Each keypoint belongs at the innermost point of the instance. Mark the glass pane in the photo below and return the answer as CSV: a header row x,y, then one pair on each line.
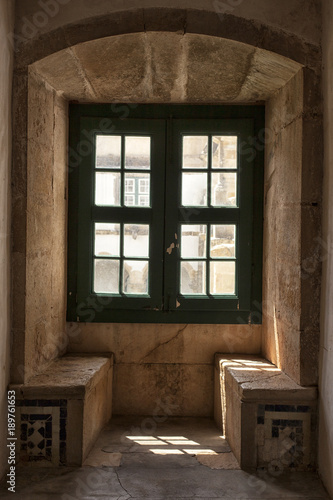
x,y
136,240
193,277
195,151
222,240
222,277
224,148
106,276
224,190
135,278
107,239
108,151
107,189
193,242
137,152
137,190
194,189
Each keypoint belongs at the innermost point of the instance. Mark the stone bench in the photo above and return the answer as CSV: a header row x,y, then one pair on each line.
x,y
60,412
268,420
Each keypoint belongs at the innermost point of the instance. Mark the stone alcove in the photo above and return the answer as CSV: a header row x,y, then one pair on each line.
x,y
160,65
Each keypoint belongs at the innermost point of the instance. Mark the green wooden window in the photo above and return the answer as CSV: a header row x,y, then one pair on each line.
x,y
165,213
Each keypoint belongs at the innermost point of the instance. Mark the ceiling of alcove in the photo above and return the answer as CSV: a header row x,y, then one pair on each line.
x,y
166,67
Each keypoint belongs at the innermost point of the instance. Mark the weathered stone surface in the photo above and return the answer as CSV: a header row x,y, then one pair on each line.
x,y
268,71
164,343
84,384
225,66
65,65
292,16
168,66
163,389
187,347
70,377
286,105
312,160
254,378
116,67
257,398
165,67
292,227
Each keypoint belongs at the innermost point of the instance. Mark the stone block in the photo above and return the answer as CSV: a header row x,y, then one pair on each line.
x,y
266,76
285,105
61,411
119,73
40,112
312,161
168,70
131,21
63,69
203,56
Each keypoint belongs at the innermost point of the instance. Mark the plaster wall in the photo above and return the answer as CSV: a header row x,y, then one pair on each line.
x,y
6,62
295,16
326,344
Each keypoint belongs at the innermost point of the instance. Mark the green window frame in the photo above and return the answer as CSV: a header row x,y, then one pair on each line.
x,y
154,202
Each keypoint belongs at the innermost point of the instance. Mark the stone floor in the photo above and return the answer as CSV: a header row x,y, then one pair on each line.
x,y
157,458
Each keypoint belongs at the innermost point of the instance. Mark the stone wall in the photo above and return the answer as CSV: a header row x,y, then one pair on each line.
x,y
39,319
170,365
293,180
294,16
326,344
6,59
157,355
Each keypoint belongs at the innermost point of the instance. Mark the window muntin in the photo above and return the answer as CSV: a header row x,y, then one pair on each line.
x,y
218,154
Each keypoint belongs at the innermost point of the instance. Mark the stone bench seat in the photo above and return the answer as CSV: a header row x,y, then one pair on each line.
x,y
267,418
60,411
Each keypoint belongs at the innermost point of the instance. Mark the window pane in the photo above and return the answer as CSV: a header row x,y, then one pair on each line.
x,y
193,242
224,149
137,152
195,151
222,240
222,278
137,190
107,189
135,277
193,277
108,151
224,190
107,239
106,276
194,189
136,240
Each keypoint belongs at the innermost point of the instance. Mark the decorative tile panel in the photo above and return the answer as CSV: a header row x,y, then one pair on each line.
x,y
284,436
41,430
